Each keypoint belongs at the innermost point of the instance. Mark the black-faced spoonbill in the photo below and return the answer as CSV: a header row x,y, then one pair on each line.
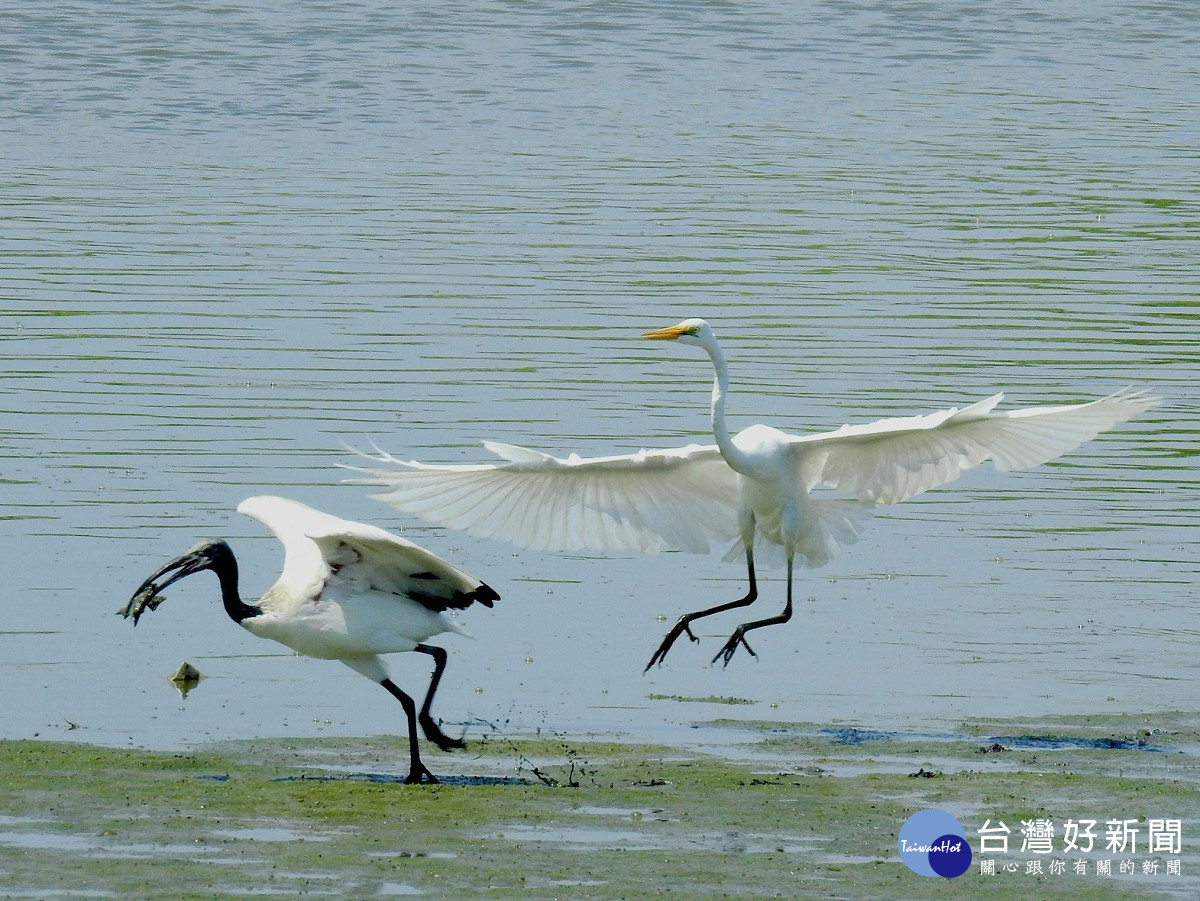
x,y
348,592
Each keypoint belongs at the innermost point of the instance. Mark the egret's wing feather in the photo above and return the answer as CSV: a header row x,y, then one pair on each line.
x,y
894,459
828,526
684,498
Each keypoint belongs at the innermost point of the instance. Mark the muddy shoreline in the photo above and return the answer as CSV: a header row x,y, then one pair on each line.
x,y
779,811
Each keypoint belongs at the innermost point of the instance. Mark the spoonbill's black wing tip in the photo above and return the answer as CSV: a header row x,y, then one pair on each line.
x,y
485,594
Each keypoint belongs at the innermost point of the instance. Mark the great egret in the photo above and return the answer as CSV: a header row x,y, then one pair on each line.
x,y
348,592
756,486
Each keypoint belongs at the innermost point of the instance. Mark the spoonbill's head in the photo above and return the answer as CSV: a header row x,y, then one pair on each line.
x,y
212,554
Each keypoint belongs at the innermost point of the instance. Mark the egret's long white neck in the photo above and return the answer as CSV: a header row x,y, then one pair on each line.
x,y
733,456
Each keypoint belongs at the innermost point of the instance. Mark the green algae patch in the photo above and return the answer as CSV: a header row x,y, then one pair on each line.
x,y
794,811
708,699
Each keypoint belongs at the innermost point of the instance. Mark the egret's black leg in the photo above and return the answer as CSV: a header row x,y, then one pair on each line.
x,y
684,623
417,771
739,634
432,731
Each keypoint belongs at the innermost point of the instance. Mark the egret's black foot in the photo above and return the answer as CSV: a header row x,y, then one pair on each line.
x,y
434,733
681,627
737,638
420,774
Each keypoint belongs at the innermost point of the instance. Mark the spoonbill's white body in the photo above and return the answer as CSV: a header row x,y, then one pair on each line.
x,y
348,592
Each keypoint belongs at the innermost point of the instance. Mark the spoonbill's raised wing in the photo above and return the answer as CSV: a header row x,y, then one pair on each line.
x,y
348,592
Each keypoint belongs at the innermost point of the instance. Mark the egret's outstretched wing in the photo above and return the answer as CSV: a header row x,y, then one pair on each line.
x,y
684,498
894,459
320,548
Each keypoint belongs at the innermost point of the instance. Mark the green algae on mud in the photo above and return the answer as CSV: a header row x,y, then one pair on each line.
x,y
709,699
791,811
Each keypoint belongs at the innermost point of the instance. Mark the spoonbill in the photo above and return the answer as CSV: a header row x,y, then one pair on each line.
x,y
348,592
755,487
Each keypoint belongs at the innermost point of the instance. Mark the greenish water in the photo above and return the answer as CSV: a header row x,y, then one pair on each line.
x,y
233,238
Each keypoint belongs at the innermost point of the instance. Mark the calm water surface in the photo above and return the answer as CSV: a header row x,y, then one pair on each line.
x,y
234,237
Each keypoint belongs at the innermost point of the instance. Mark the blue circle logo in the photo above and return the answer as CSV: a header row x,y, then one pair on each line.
x,y
933,843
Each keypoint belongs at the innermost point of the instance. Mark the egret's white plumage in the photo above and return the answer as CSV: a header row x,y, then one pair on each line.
x,y
651,501
756,486
348,592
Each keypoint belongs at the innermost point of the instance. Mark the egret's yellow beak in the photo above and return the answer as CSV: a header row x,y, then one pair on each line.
x,y
670,333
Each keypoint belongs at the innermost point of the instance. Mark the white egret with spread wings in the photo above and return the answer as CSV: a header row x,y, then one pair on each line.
x,y
756,487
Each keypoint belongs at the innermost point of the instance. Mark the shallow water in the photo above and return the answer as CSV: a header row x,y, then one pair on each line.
x,y
232,239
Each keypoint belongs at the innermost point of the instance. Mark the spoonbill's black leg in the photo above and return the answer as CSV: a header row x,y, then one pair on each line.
x,y
739,634
684,623
417,771
432,731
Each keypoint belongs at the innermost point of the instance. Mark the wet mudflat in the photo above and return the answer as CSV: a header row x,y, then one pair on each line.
x,y
780,810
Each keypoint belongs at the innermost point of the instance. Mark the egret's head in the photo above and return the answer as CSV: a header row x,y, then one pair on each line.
x,y
690,331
